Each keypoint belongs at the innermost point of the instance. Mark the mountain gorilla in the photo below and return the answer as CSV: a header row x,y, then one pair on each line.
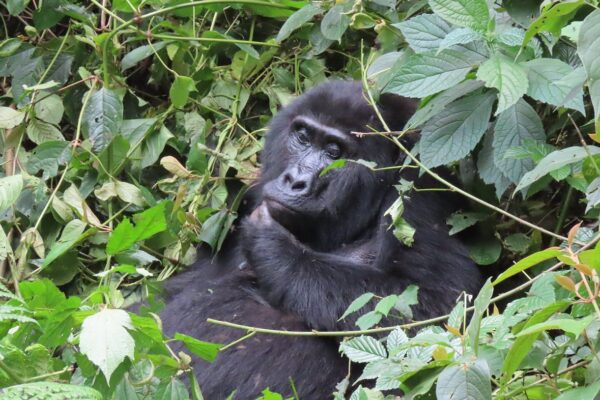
x,y
307,245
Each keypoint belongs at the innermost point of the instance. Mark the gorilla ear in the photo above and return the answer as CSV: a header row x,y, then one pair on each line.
x,y
396,110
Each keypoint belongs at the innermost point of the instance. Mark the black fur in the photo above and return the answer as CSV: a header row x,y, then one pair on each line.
x,y
340,248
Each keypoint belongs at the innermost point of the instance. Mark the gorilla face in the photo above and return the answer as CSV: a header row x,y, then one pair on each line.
x,y
304,138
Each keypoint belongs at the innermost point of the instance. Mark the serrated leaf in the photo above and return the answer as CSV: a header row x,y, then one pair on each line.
x,y
205,350
50,391
363,349
368,320
357,304
102,118
528,262
469,13
589,40
488,170
543,75
9,118
553,18
508,77
105,339
454,132
385,305
335,23
555,160
424,32
515,126
428,73
10,189
40,132
296,20
139,53
148,223
467,381
459,36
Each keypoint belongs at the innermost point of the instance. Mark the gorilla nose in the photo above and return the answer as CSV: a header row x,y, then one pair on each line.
x,y
297,184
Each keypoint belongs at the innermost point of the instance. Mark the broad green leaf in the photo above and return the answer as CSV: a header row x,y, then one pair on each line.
x,y
409,297
427,73
485,251
369,320
49,391
543,74
105,339
508,77
528,262
10,189
154,145
440,101
127,192
514,127
459,221
102,118
424,32
173,390
335,23
363,349
589,40
488,171
469,13
50,109
16,7
205,350
459,36
385,305
139,53
581,393
9,118
455,131
522,344
482,301
296,20
71,235
466,381
147,224
554,17
514,37
180,90
573,326
40,132
555,160
357,304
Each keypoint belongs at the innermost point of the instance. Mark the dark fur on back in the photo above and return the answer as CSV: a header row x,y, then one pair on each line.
x,y
306,282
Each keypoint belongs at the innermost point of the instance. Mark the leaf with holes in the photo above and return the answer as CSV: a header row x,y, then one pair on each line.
x,y
102,118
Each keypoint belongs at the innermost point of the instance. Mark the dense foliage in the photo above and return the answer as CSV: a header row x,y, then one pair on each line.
x,y
128,130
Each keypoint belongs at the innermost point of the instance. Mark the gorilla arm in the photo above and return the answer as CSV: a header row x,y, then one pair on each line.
x,y
316,286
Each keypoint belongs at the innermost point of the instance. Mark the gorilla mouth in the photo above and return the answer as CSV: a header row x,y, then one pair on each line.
x,y
276,207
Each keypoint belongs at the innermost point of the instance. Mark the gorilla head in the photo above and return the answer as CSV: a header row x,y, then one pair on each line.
x,y
308,135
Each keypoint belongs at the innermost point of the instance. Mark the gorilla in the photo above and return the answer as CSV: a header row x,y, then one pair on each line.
x,y
307,244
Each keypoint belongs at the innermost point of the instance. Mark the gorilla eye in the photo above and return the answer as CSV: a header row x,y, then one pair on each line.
x,y
302,135
332,150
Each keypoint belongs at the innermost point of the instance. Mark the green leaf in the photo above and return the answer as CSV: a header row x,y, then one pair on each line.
x,y
363,349
174,390
105,339
485,251
408,297
180,90
296,20
428,73
581,393
9,118
467,381
482,301
5,250
357,304
102,118
49,391
50,109
385,305
573,326
16,7
455,131
555,160
333,165
127,192
437,104
205,350
10,189
459,36
528,262
554,17
589,40
508,77
459,221
148,223
424,32
139,53
71,235
368,320
40,132
544,74
469,13
514,127
335,23
522,344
